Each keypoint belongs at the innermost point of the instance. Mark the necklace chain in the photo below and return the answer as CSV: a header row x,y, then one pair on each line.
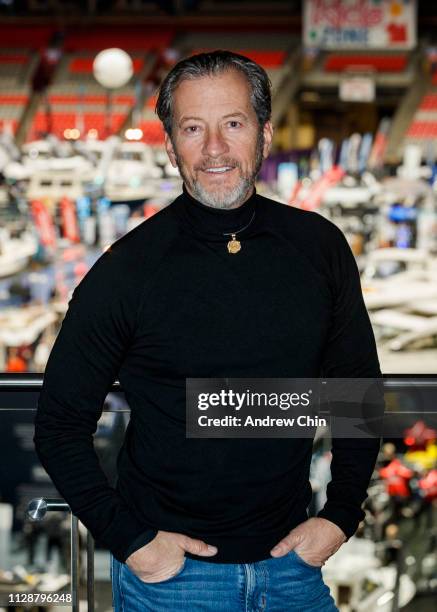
x,y
242,229
234,245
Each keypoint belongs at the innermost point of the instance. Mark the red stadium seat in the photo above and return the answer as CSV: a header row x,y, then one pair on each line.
x,y
153,132
97,99
267,59
63,121
429,102
81,65
422,129
13,59
13,99
104,37
380,63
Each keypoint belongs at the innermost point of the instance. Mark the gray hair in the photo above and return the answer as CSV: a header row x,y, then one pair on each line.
x,y
210,64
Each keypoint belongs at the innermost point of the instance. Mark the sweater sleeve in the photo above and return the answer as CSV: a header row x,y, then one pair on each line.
x,y
350,352
83,364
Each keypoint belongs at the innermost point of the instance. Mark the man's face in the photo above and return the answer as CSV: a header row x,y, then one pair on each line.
x,y
217,143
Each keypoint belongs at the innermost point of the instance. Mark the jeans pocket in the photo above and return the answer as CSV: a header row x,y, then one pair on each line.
x,y
175,575
178,573
299,558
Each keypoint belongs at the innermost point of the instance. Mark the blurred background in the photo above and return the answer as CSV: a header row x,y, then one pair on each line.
x,y
82,162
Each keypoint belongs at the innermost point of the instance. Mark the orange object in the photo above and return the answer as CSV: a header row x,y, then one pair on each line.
x,y
70,227
16,364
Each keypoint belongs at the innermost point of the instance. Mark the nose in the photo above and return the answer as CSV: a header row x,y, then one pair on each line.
x,y
214,144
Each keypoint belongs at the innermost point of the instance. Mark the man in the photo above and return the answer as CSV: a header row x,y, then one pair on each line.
x,y
221,283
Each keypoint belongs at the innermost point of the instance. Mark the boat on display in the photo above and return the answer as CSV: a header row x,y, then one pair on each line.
x,y
23,326
392,276
46,155
16,252
410,359
124,172
400,293
54,185
132,175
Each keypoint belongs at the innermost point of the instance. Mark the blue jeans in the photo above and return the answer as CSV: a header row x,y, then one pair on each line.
x,y
279,584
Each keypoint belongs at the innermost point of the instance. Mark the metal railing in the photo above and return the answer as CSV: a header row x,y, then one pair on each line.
x,y
36,511
39,507
32,381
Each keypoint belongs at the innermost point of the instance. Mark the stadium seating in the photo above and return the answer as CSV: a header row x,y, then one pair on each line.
x,y
378,62
424,124
61,121
74,98
77,101
15,69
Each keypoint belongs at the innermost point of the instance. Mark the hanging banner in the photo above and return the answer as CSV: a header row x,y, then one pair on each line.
x,y
70,226
44,223
360,24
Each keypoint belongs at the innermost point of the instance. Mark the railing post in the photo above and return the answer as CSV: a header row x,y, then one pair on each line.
x,y
90,571
74,550
36,511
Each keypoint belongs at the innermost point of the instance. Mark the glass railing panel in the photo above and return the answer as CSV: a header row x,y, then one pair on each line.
x,y
35,556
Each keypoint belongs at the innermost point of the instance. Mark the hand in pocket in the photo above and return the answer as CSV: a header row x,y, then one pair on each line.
x,y
164,556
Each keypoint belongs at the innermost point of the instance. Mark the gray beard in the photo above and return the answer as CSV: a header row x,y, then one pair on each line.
x,y
229,199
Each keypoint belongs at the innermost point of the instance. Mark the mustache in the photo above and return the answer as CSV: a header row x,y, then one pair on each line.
x,y
231,163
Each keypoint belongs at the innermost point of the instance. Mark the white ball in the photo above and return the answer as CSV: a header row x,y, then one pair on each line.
x,y
113,68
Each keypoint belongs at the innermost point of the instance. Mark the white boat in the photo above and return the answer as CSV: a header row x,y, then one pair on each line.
x,y
407,352
417,339
390,294
24,324
49,155
125,172
383,263
400,292
391,276
132,175
348,197
56,185
15,253
426,307
399,321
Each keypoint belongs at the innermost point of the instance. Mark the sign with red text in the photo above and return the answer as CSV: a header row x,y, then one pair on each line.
x,y
360,24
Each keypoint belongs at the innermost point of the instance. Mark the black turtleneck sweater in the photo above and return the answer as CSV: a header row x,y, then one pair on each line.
x,y
167,302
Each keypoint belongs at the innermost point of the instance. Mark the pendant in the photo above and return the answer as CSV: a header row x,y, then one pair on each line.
x,y
234,245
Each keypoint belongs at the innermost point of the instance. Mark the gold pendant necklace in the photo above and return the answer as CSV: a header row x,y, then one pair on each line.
x,y
234,245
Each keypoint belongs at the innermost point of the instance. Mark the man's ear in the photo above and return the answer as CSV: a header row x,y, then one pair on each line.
x,y
268,137
170,150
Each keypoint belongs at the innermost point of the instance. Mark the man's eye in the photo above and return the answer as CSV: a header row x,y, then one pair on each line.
x,y
234,124
192,129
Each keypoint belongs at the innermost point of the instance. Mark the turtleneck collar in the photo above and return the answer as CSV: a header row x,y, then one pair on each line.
x,y
216,224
